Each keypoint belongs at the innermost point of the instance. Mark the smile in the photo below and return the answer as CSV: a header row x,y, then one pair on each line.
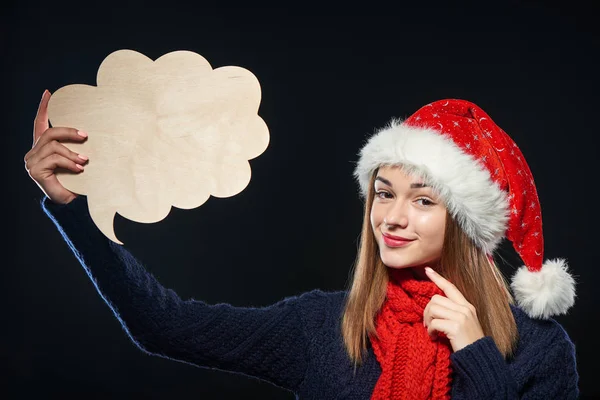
x,y
396,242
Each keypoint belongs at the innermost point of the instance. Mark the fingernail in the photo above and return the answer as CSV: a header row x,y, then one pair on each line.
x,y
79,166
85,158
428,269
81,133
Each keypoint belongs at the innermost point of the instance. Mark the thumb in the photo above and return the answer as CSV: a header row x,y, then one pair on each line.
x,y
40,124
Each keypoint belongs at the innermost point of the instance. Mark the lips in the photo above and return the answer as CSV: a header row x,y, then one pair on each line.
x,y
400,238
395,241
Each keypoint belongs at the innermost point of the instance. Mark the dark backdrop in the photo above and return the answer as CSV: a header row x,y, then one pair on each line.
x,y
328,80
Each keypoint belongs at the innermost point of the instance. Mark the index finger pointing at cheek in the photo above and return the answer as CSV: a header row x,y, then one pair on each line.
x,y
448,288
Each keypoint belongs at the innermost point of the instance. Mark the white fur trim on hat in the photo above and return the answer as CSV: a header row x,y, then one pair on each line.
x,y
546,293
473,199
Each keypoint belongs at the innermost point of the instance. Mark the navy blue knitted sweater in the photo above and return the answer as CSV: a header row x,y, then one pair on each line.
x,y
296,343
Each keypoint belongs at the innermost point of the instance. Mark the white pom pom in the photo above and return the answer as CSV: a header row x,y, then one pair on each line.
x,y
546,293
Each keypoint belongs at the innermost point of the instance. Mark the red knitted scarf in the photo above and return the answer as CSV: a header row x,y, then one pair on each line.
x,y
413,366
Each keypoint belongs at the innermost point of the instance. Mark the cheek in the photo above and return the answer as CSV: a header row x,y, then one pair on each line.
x,y
432,226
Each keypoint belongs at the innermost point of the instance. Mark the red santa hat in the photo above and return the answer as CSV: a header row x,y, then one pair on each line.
x,y
487,187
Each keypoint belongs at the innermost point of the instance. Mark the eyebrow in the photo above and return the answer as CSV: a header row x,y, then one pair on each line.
x,y
412,185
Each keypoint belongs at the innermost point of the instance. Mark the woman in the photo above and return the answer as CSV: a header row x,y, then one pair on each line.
x,y
428,314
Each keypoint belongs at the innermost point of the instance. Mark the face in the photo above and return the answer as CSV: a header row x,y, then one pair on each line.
x,y
408,220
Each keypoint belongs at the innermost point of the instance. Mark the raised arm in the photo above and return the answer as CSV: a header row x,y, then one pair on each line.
x,y
268,343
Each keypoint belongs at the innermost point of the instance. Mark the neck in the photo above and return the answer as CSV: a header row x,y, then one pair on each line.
x,y
417,273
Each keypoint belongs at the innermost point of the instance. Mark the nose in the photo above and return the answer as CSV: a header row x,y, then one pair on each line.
x,y
397,215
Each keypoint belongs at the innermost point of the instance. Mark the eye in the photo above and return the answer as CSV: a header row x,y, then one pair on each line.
x,y
382,194
426,202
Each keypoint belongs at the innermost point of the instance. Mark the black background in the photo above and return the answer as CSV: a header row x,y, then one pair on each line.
x,y
328,80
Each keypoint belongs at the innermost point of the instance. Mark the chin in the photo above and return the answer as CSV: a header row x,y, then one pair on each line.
x,y
397,266
394,262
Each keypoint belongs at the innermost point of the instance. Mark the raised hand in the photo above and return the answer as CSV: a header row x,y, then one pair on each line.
x,y
453,315
47,153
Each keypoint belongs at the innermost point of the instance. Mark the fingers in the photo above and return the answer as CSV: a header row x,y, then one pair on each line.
x,y
444,302
440,325
447,287
44,169
54,147
56,134
57,161
437,311
40,123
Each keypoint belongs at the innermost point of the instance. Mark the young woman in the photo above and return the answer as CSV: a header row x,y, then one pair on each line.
x,y
428,314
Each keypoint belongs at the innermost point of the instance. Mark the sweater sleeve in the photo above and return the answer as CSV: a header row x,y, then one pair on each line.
x,y
482,373
268,343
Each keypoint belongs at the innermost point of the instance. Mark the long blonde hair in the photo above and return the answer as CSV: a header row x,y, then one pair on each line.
x,y
462,263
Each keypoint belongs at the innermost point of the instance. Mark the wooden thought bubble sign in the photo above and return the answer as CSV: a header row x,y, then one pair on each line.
x,y
170,132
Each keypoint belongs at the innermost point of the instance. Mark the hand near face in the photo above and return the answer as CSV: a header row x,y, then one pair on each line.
x,y
453,315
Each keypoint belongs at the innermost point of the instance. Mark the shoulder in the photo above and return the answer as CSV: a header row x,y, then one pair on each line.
x,y
545,354
318,307
541,335
318,301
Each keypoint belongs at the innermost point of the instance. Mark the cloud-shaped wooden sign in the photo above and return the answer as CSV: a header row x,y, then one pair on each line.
x,y
170,132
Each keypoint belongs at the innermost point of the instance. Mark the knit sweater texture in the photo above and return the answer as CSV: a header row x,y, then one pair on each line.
x,y
296,343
